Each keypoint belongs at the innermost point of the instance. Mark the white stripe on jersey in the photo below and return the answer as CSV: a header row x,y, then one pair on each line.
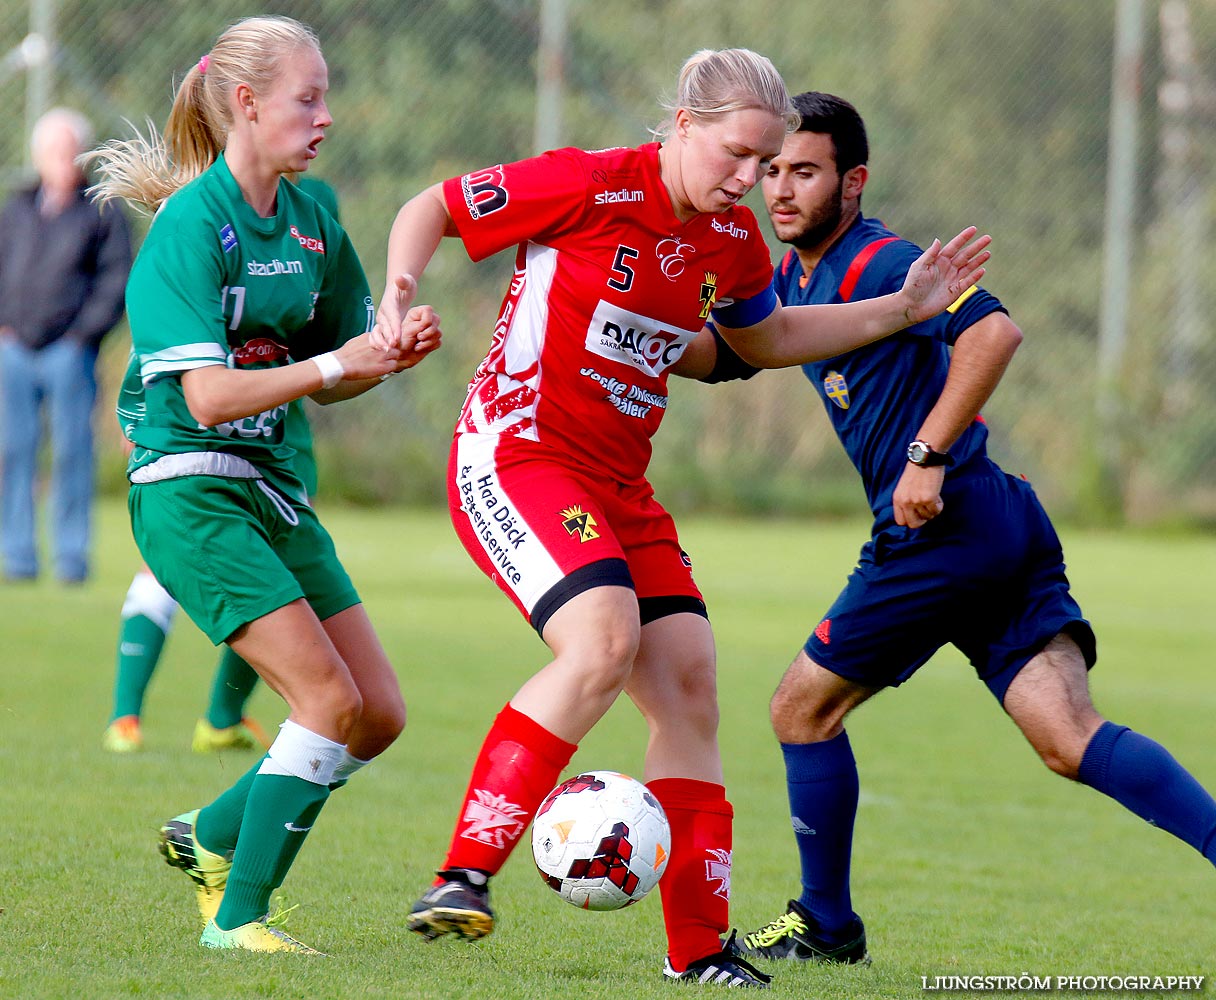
x,y
180,358
526,336
519,338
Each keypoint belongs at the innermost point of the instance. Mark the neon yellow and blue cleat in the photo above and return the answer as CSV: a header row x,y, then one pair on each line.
x,y
208,871
258,935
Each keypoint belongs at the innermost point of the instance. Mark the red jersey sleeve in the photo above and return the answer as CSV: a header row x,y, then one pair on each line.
x,y
749,298
508,204
755,272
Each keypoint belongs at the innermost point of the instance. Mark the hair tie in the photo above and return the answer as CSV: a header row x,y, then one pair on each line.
x,y
203,64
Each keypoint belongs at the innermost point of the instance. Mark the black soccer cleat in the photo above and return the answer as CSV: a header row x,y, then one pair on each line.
x,y
792,936
459,905
724,968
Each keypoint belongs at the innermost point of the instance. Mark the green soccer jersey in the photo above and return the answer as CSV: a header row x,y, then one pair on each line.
x,y
215,284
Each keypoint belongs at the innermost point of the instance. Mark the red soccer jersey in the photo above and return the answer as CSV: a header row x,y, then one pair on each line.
x,y
609,288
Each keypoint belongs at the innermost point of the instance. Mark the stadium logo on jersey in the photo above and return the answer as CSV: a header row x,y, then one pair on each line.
x,y
308,242
227,238
836,389
717,869
709,293
259,351
492,819
647,344
612,197
671,253
729,228
271,268
580,524
484,191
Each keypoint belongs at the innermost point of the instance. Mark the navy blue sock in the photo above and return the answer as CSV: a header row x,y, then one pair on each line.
x,y
1142,776
822,782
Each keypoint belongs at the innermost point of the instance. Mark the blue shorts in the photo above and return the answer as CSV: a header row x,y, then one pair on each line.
x,y
987,575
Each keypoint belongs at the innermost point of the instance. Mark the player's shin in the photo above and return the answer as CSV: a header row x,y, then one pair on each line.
x,y
285,797
518,765
695,889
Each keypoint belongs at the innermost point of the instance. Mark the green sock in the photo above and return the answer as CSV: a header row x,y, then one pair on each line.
x,y
280,812
219,825
140,641
234,681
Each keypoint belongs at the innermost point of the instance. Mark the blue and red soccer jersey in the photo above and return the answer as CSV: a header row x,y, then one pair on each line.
x,y
987,574
878,396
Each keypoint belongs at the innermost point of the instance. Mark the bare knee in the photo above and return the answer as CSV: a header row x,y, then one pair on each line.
x,y
696,693
1049,701
1061,760
811,703
796,722
344,708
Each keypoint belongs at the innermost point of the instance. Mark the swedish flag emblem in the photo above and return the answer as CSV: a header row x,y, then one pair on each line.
x,y
836,389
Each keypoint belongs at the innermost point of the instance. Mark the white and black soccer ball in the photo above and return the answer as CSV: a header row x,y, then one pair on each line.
x,y
601,840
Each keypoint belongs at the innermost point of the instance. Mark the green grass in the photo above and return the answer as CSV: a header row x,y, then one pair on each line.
x,y
970,857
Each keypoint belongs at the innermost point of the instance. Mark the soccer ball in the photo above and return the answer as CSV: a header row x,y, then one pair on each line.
x,y
601,840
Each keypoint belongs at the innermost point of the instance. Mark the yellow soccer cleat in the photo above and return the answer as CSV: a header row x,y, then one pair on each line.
x,y
257,935
123,735
245,735
207,870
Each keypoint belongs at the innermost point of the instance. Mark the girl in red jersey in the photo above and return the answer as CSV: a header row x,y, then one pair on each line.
x,y
622,257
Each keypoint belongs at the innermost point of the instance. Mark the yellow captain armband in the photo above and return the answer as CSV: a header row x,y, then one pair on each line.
x,y
954,306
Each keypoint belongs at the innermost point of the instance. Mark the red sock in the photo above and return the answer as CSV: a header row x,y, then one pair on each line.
x,y
519,764
696,886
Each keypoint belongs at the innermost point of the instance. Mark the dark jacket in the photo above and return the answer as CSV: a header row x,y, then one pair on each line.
x,y
62,276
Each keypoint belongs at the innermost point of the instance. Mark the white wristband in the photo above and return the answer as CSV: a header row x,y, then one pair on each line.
x,y
331,369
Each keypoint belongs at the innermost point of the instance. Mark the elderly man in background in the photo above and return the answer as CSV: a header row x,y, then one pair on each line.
x,y
63,271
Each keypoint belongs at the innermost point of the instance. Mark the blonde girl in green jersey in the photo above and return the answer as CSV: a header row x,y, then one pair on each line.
x,y
245,296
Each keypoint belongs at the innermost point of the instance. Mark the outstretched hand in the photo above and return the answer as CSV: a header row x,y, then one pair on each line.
x,y
942,273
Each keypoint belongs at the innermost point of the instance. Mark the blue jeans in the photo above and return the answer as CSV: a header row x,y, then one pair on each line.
x,y
62,375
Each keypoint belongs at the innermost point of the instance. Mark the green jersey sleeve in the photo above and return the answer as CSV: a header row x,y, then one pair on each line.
x,y
176,322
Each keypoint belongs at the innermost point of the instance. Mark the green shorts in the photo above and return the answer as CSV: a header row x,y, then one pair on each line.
x,y
229,554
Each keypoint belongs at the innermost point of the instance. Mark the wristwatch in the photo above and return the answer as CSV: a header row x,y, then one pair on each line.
x,y
921,453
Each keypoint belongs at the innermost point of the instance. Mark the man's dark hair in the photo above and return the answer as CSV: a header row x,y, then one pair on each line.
x,y
834,116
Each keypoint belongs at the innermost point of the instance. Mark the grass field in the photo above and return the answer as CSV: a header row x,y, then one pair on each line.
x,y
970,857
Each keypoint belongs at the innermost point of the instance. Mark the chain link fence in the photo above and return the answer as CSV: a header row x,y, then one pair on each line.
x,y
995,114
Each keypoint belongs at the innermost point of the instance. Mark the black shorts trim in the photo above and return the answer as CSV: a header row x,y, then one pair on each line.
x,y
602,573
654,608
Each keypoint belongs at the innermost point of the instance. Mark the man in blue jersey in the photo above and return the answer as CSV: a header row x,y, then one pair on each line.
x,y
960,552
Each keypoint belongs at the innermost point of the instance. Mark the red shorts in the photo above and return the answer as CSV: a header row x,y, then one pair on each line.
x,y
546,529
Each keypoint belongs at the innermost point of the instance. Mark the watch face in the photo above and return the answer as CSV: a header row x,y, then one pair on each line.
x,y
917,453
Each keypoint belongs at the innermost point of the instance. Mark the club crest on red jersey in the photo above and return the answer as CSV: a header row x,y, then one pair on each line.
x,y
672,254
709,293
836,389
580,524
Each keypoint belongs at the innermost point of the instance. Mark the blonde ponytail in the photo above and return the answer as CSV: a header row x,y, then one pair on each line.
x,y
145,170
